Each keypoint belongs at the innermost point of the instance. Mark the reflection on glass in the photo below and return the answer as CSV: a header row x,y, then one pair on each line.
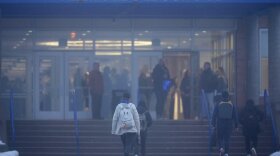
x,y
13,75
48,85
78,84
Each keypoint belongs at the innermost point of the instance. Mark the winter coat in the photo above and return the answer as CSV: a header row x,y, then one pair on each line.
x,y
159,74
250,118
116,123
208,81
96,82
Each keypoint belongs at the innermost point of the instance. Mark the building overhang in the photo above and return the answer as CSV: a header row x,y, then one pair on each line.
x,y
133,8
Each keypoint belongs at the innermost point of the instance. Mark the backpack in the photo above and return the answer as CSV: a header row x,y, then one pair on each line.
x,y
143,121
126,117
225,110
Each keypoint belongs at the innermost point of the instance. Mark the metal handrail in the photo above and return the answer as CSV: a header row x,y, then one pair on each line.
x,y
269,114
12,118
77,132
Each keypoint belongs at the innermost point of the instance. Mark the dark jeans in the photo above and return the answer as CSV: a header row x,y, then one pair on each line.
x,y
161,98
128,141
224,133
186,106
96,105
250,142
143,136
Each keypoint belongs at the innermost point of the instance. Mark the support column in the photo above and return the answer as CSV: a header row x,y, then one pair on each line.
x,y
274,57
241,63
253,57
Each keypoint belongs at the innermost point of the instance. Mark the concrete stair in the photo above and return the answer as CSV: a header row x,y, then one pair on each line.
x,y
165,138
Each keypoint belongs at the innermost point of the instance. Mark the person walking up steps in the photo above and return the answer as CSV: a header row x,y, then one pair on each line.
x,y
250,119
145,123
224,117
126,124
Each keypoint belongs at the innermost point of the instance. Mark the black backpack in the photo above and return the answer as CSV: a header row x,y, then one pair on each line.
x,y
225,110
143,121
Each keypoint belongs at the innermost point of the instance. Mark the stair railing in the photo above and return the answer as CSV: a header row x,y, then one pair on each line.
x,y
270,116
12,118
206,113
75,111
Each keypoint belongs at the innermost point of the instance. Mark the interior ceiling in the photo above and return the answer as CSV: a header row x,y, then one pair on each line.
x,y
128,10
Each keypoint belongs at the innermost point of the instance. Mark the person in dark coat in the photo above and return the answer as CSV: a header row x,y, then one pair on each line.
x,y
208,82
250,119
223,119
96,90
160,74
145,122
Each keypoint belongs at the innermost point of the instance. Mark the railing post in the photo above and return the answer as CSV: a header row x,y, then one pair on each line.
x,y
77,134
13,130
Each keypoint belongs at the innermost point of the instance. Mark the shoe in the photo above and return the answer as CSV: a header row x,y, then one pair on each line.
x,y
254,152
222,151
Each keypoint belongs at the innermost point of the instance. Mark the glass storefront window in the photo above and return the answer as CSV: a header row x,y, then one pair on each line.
x,y
14,74
68,54
14,79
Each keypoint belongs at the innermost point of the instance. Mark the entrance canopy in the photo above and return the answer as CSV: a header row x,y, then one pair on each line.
x,y
133,8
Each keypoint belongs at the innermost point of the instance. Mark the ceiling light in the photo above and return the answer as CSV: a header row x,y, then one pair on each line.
x,y
146,31
88,31
196,34
184,42
30,31
204,31
24,39
84,34
190,39
169,47
27,34
140,34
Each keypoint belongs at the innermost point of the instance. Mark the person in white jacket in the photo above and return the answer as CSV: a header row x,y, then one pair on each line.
x,y
126,124
9,153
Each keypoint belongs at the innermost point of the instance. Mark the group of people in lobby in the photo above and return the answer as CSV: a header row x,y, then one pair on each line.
x,y
223,112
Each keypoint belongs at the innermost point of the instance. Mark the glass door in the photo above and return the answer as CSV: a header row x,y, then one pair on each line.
x,y
77,68
48,86
16,76
142,85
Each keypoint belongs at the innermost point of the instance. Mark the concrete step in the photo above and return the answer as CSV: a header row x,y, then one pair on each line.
x,y
172,138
